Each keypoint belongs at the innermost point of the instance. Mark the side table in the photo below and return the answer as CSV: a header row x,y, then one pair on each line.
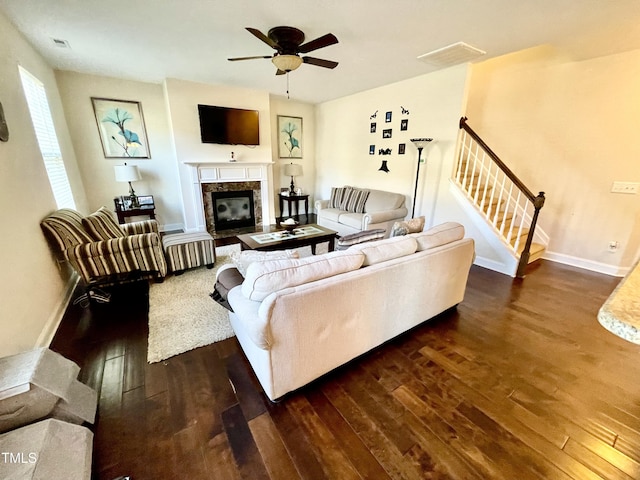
x,y
296,199
124,212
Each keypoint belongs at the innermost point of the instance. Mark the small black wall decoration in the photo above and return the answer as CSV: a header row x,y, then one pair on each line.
x,y
404,124
372,128
385,151
404,110
374,115
372,149
386,133
387,117
401,148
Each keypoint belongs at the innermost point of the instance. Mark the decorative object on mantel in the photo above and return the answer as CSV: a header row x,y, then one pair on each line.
x,y
292,170
233,158
128,173
420,144
4,129
383,167
289,137
121,128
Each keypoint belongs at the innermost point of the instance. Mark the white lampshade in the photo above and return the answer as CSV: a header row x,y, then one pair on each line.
x,y
421,142
127,173
292,170
286,63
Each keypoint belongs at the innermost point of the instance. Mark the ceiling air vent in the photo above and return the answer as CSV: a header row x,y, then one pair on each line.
x,y
450,55
60,43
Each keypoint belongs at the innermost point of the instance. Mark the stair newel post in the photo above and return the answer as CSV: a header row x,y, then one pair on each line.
x,y
538,203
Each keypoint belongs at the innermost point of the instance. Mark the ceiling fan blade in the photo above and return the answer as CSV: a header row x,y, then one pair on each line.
x,y
320,42
262,37
248,58
320,62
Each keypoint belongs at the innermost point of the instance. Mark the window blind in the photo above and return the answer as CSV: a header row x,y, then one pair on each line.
x,y
47,140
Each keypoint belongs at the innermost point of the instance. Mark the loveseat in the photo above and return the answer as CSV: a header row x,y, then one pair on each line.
x,y
299,318
351,210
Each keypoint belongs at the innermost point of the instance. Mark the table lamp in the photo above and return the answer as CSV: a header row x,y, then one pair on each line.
x,y
128,173
292,170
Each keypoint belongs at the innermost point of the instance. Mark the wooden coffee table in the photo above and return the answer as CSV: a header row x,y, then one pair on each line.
x,y
279,239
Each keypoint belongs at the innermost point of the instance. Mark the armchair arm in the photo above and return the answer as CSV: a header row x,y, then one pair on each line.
x,y
143,226
384,216
320,204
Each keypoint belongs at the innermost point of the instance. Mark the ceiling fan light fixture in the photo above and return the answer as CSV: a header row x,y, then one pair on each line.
x,y
287,63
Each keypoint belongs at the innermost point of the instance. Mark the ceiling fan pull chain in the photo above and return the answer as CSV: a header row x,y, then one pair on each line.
x,y
288,86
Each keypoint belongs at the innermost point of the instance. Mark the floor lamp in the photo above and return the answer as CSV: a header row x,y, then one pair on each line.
x,y
420,143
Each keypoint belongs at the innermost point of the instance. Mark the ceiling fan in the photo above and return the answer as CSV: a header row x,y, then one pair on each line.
x,y
287,42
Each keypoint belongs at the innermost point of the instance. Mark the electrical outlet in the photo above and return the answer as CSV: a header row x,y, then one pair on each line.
x,y
625,187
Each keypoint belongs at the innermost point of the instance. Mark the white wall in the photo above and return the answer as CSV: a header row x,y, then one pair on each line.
x,y
159,173
182,99
569,128
33,289
306,111
435,102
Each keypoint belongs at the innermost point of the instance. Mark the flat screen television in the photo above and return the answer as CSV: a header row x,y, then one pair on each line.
x,y
228,126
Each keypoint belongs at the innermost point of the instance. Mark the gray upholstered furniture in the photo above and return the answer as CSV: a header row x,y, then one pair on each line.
x,y
100,250
351,210
297,319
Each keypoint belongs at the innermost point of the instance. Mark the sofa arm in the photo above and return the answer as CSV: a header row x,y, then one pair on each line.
x,y
144,226
384,216
320,204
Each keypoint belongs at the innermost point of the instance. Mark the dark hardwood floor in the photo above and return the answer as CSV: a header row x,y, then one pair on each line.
x,y
519,382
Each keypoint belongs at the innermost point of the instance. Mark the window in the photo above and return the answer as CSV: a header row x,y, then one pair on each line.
x,y
47,140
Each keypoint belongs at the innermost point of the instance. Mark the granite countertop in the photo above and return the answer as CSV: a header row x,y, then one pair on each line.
x,y
620,314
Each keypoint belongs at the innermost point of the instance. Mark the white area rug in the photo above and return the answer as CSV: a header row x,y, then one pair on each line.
x,y
182,315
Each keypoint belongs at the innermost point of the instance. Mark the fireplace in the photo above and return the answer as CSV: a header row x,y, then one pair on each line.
x,y
233,209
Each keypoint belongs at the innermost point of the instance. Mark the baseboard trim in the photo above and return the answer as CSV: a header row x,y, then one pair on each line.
x,y
51,327
493,265
598,267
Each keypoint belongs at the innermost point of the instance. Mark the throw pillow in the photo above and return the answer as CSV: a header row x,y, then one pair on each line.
x,y
243,259
347,241
346,193
414,225
355,200
335,200
101,225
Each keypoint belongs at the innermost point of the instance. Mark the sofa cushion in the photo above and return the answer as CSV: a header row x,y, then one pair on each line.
x,y
332,214
387,249
101,225
243,259
353,220
264,278
379,201
439,235
360,237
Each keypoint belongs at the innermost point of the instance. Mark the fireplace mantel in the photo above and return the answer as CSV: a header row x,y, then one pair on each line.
x,y
221,172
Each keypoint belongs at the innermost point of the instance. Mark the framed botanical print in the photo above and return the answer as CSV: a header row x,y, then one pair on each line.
x,y
121,128
289,137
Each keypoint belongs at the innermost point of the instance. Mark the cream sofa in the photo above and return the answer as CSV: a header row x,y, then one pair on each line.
x,y
381,210
297,319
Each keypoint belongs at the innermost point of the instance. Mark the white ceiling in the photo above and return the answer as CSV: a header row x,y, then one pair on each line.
x,y
150,40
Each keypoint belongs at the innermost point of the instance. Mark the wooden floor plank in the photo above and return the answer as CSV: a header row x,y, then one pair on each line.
x,y
520,381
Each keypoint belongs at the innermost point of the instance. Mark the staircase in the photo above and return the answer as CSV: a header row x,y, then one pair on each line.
x,y
507,206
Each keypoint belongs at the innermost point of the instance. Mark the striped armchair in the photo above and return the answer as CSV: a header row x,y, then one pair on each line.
x,y
100,250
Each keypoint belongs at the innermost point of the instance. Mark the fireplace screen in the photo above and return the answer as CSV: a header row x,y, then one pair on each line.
x,y
233,209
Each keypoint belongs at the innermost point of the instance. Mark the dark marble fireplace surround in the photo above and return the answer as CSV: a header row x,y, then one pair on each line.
x,y
208,188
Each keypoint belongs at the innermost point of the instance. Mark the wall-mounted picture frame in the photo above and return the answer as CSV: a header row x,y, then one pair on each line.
x,y
386,133
372,129
289,137
121,128
387,117
404,124
372,149
401,148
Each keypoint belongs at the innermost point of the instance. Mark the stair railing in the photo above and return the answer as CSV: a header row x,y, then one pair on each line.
x,y
505,201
